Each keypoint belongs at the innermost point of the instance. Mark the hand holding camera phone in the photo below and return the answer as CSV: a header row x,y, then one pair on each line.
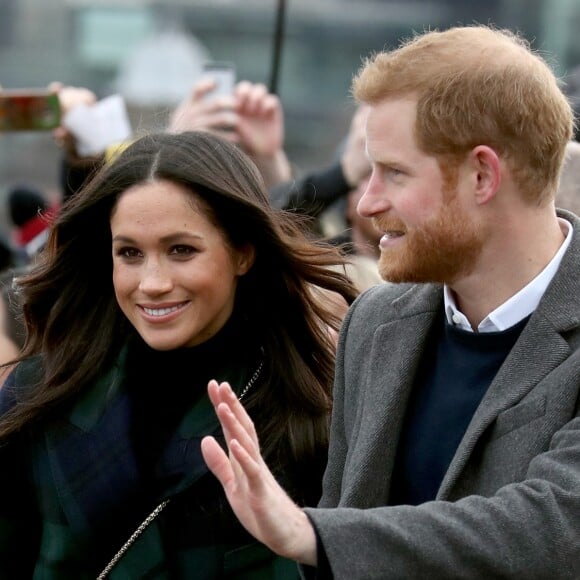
x,y
224,76
29,110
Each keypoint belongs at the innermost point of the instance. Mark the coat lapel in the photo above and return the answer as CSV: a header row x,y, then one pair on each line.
x,y
182,458
386,391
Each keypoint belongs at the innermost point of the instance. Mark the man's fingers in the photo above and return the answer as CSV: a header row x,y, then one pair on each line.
x,y
238,429
224,401
217,461
234,429
249,466
214,392
228,396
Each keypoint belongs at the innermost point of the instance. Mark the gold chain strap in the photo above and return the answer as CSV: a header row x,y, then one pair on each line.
x,y
132,539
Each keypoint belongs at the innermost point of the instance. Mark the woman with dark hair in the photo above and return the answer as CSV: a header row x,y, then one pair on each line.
x,y
168,270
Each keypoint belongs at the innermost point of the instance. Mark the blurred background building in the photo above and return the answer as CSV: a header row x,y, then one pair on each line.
x,y
151,51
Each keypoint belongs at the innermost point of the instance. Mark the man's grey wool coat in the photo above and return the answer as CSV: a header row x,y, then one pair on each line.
x,y
509,504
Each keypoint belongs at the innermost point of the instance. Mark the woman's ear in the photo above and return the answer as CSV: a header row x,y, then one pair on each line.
x,y
487,166
246,256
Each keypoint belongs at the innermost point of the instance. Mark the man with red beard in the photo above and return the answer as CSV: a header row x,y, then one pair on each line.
x,y
455,433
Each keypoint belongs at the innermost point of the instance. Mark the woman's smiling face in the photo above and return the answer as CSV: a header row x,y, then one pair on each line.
x,y
174,273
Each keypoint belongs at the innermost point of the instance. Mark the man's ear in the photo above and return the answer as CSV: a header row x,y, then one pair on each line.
x,y
487,165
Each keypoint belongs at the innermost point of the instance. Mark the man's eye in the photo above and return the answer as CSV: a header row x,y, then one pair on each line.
x,y
393,173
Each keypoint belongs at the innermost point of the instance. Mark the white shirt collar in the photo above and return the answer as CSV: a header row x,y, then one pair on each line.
x,y
520,305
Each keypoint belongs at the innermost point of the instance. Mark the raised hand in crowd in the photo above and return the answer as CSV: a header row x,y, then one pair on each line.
x,y
251,117
198,112
261,130
70,97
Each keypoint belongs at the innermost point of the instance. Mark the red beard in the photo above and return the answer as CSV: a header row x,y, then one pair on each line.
x,y
442,250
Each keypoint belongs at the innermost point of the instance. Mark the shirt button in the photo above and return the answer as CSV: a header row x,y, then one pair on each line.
x,y
456,318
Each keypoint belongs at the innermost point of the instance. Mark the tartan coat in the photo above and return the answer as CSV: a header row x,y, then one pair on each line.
x,y
66,483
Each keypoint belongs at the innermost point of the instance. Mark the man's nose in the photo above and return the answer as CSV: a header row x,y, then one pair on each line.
x,y
375,198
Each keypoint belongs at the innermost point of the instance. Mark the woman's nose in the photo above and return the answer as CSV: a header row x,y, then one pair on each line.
x,y
155,279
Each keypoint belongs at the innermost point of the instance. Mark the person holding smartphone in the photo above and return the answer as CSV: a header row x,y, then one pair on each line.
x,y
248,116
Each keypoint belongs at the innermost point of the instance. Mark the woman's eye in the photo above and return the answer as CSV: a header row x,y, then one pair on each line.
x,y
182,250
127,252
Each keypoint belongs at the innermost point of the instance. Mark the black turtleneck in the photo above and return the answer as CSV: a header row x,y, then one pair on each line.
x,y
164,385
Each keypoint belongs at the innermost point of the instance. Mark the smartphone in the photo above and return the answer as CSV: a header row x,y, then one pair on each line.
x,y
224,75
29,110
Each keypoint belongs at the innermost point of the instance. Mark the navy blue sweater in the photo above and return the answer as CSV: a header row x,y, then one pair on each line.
x,y
457,368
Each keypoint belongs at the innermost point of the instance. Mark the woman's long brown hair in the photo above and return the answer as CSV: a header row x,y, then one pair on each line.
x,y
75,325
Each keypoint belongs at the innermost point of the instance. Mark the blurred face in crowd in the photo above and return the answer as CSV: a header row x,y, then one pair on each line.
x,y
427,234
364,234
174,273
